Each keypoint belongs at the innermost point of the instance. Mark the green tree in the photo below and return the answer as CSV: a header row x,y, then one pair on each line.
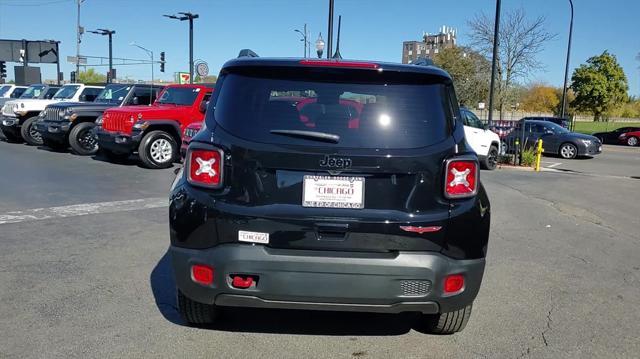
x,y
599,85
90,76
470,72
206,79
540,98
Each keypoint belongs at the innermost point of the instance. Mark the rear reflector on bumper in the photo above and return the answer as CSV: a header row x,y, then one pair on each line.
x,y
453,283
202,274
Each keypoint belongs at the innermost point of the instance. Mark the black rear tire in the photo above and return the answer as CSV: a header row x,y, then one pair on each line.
x,y
447,323
54,145
81,139
491,161
195,312
29,133
158,149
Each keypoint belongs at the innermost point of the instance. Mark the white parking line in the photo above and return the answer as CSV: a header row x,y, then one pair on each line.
x,y
84,209
555,164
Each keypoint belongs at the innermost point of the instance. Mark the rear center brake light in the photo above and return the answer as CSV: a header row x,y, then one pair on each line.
x,y
336,63
204,167
461,178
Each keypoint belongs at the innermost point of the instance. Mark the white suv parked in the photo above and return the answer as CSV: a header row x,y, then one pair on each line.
x,y
19,115
485,143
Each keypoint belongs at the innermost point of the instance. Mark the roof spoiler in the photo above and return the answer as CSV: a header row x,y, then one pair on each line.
x,y
423,61
247,53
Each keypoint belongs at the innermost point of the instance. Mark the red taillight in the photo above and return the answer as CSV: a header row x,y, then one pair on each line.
x,y
202,274
461,178
204,167
453,283
337,63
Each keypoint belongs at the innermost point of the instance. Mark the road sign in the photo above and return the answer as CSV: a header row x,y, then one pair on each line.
x,y
72,60
183,77
202,69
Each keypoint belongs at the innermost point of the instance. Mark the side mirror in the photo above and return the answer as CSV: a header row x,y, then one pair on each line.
x,y
203,106
83,97
135,101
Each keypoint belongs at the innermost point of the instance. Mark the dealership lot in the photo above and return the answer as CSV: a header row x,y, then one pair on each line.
x,y
88,275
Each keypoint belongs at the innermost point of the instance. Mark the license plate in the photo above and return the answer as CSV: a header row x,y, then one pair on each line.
x,y
333,192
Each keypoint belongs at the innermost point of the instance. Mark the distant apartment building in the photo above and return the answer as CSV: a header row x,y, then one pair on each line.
x,y
430,45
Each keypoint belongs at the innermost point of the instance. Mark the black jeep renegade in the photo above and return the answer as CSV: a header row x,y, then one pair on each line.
x,y
330,185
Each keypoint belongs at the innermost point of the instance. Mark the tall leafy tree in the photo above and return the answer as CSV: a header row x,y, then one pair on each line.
x,y
540,98
470,72
91,76
599,85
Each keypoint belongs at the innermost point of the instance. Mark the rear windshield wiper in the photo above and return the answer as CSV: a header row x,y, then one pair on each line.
x,y
309,135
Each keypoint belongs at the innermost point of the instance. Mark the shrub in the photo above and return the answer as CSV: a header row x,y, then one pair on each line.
x,y
528,157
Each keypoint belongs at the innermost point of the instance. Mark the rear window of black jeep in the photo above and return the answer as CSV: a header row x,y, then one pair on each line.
x,y
366,109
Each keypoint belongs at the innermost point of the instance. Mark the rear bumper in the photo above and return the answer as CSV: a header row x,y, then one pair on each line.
x,y
53,130
118,142
328,280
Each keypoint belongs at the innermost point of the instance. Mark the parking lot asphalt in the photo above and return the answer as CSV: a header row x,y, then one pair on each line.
x,y
90,277
622,161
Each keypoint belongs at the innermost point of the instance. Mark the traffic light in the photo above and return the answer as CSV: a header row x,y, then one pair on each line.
x,y
162,61
3,69
73,77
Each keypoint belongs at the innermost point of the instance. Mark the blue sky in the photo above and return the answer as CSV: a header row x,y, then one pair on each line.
x,y
372,29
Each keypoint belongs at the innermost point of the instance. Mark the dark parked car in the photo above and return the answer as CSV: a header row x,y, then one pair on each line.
x,y
563,122
613,137
383,214
71,123
556,140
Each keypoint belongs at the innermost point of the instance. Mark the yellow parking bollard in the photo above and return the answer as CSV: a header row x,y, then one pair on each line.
x,y
539,150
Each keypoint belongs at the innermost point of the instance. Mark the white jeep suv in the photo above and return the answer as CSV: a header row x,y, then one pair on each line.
x,y
485,143
19,115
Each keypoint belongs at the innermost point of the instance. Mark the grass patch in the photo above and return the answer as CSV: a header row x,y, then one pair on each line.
x,y
591,127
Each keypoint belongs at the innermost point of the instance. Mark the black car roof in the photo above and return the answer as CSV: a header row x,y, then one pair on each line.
x,y
296,62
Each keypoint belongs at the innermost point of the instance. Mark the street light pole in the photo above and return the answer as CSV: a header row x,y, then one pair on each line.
x,y
494,61
187,16
110,34
566,68
78,41
304,38
150,53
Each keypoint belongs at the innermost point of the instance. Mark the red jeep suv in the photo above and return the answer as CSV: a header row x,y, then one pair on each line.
x,y
153,131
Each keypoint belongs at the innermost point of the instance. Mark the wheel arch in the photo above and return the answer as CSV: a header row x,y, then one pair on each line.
x,y
170,127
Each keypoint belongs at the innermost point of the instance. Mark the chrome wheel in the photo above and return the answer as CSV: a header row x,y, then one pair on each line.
x,y
568,151
632,141
161,150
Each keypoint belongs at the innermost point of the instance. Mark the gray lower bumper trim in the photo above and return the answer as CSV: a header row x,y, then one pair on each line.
x,y
232,300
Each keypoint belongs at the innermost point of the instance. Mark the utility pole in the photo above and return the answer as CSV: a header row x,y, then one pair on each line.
x,y
187,16
330,32
566,68
494,61
79,33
